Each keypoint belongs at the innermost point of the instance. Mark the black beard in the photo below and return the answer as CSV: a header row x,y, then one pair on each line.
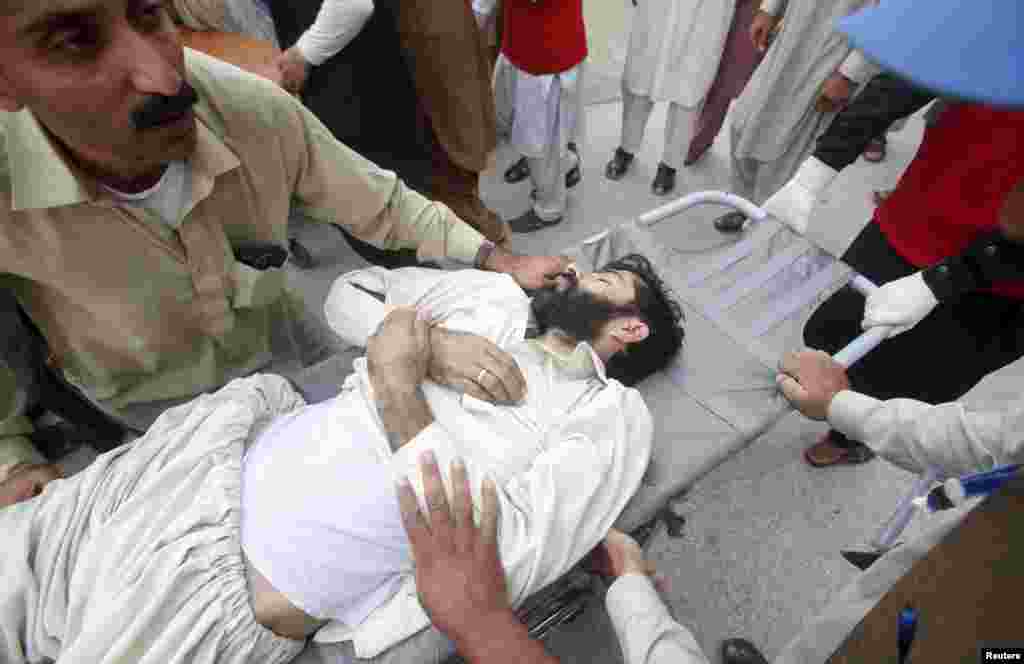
x,y
574,311
159,110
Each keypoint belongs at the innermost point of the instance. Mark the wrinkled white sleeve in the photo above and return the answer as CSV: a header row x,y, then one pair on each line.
x,y
489,304
563,505
915,435
647,632
337,23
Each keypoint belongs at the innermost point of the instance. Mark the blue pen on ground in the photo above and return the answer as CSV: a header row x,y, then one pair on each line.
x,y
906,630
956,490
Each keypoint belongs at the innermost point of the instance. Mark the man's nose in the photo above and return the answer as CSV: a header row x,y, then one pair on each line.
x,y
152,73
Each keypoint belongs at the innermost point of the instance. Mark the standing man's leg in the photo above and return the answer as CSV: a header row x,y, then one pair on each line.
x,y
549,165
680,127
636,111
743,173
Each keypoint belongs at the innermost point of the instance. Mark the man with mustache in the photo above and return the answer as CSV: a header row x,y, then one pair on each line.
x,y
303,525
144,198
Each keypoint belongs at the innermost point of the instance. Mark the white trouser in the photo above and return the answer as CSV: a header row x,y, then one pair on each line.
x,y
680,126
541,116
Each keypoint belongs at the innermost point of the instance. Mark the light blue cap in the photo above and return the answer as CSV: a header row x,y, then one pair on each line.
x,y
967,49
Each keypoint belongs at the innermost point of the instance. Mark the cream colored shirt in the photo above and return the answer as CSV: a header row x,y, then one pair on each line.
x,y
136,313
566,461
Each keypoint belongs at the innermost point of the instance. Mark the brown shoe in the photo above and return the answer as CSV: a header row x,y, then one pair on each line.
x,y
827,452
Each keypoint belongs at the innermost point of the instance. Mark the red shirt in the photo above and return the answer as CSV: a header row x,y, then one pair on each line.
x,y
953,190
544,37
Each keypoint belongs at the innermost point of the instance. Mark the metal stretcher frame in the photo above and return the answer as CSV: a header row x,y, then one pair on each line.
x,y
567,599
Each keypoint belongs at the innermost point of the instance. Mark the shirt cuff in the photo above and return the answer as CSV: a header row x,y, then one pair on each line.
x,y
849,410
629,595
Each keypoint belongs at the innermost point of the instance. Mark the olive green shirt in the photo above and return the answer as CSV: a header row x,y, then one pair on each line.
x,y
134,312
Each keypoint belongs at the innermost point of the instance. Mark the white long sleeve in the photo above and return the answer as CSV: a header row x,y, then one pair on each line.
x,y
647,632
915,435
337,23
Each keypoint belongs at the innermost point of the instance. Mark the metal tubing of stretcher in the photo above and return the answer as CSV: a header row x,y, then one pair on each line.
x,y
702,198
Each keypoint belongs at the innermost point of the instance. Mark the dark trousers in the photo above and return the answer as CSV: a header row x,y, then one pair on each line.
x,y
937,361
365,96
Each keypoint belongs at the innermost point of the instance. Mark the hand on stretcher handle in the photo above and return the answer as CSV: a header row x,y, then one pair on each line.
x,y
886,536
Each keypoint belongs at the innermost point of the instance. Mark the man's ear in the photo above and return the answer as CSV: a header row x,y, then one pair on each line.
x,y
630,330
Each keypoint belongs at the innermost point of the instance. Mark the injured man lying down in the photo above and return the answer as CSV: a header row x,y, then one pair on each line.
x,y
246,520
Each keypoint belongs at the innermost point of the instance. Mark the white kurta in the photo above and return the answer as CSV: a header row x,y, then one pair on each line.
x,y
675,47
566,461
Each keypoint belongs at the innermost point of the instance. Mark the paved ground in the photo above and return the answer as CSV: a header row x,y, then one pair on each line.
x,y
761,547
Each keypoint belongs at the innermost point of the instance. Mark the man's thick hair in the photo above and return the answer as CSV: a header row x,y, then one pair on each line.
x,y
663,316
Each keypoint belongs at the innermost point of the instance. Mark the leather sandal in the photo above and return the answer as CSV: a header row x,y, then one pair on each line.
x,y
741,651
530,222
664,181
826,453
620,163
518,171
730,223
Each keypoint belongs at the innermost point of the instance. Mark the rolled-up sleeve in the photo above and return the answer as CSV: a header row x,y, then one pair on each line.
x,y
334,184
647,632
915,435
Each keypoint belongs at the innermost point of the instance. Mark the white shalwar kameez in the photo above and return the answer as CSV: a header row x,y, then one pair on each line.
x,y
674,50
541,115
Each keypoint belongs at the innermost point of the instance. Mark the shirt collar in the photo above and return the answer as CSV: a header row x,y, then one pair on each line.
x,y
44,178
582,362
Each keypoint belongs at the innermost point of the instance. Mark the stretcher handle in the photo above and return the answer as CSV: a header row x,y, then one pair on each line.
x,y
702,198
870,339
891,529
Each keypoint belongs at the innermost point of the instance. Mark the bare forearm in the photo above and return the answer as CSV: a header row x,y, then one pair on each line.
x,y
501,640
403,410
